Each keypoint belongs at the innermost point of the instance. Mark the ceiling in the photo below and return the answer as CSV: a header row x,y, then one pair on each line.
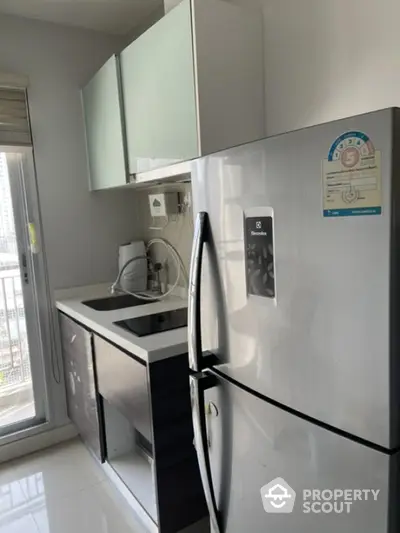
x,y
111,16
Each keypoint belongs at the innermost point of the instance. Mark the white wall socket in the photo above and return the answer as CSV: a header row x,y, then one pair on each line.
x,y
164,204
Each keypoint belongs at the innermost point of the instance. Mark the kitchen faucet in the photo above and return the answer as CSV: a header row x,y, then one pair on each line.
x,y
180,272
116,285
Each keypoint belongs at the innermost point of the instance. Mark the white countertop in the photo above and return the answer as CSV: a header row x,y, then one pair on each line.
x,y
150,348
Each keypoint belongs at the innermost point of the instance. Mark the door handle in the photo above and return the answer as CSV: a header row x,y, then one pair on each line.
x,y
197,359
199,383
194,323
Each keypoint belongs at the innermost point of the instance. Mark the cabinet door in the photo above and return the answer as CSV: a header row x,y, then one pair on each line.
x,y
73,346
159,93
73,391
104,129
123,383
80,382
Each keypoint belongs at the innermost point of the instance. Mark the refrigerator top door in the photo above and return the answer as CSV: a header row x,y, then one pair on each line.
x,y
313,333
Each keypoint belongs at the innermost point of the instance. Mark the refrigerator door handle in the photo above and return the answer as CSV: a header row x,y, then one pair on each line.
x,y
199,383
194,323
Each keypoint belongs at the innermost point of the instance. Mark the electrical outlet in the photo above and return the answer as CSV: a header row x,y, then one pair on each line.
x,y
163,204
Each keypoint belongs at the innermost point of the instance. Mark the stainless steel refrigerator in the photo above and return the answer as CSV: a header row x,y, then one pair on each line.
x,y
294,329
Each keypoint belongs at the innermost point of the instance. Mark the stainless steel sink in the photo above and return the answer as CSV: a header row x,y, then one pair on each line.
x,y
112,303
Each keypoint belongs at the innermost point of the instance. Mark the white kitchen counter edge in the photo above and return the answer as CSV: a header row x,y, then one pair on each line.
x,y
151,348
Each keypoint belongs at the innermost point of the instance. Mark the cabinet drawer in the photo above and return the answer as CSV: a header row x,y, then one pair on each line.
x,y
122,381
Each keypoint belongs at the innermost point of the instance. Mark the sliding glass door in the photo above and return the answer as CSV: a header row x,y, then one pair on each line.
x,y
22,384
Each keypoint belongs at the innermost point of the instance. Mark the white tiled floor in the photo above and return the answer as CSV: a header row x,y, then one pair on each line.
x,y
61,490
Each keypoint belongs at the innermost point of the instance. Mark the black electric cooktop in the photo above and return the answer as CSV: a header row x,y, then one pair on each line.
x,y
157,323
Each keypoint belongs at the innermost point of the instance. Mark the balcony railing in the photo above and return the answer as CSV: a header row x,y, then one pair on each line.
x,y
14,349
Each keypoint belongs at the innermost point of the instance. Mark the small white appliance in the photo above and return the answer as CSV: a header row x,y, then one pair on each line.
x,y
134,278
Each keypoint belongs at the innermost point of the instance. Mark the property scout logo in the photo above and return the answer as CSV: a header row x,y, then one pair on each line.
x,y
279,497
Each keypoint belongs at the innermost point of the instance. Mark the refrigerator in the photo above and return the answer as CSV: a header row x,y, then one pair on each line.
x,y
294,329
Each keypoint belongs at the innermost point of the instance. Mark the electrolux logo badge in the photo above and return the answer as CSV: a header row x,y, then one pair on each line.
x,y
278,496
260,232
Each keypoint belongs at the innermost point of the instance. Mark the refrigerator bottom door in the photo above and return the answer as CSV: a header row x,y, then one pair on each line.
x,y
273,471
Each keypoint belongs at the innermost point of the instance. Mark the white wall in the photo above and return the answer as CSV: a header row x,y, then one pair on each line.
x,y
327,60
178,231
170,4
81,229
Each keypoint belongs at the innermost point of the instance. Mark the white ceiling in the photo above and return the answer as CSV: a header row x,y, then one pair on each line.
x,y
110,16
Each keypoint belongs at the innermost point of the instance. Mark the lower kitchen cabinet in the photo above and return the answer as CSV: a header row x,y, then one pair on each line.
x,y
79,373
137,418
125,398
180,493
122,380
149,434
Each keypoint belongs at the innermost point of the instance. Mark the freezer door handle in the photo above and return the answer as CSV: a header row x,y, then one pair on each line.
x,y
199,383
194,322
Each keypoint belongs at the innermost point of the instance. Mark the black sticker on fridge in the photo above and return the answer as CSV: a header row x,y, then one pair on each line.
x,y
260,256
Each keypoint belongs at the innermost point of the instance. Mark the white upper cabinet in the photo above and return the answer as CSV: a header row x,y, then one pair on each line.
x,y
104,128
159,93
193,84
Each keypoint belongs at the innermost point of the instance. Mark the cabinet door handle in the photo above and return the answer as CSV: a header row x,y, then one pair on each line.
x,y
72,339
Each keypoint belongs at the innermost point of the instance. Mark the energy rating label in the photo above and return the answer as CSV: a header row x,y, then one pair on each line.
x,y
351,177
